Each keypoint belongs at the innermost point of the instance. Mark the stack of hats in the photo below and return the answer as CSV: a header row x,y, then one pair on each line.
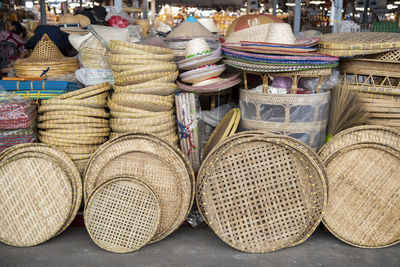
x,y
17,121
201,70
273,48
76,122
47,59
143,98
155,185
184,32
41,193
348,44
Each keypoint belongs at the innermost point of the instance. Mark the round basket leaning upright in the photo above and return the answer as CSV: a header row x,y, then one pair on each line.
x,y
302,116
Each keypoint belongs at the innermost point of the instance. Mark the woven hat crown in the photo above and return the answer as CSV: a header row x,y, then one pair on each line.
x,y
196,46
45,50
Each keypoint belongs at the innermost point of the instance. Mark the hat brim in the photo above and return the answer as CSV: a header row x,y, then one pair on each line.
x,y
185,61
199,71
217,86
75,31
204,75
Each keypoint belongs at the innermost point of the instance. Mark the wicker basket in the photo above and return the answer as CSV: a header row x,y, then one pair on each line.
x,y
304,117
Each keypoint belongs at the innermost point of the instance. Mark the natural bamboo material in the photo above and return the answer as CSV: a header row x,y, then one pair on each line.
x,y
135,213
241,161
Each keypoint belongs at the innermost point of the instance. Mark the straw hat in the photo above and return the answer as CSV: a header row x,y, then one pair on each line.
x,y
46,55
209,24
211,85
82,20
198,53
251,20
202,73
188,29
280,33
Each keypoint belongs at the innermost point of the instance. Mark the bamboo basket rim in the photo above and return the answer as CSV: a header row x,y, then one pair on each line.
x,y
87,91
72,118
167,76
98,113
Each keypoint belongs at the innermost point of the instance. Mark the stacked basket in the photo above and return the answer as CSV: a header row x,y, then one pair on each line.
x,y
76,122
154,185
40,194
143,99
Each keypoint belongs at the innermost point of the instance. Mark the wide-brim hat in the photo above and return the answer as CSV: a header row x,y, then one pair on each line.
x,y
251,20
212,85
201,74
190,28
274,33
68,19
209,24
200,60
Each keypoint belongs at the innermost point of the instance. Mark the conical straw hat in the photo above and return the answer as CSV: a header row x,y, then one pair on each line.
x,y
209,24
190,28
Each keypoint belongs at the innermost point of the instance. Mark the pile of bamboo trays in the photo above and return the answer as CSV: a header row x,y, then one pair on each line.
x,y
40,194
143,98
76,122
144,184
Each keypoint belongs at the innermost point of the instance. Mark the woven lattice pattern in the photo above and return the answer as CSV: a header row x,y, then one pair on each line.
x,y
364,200
393,55
122,215
273,194
152,162
360,41
36,198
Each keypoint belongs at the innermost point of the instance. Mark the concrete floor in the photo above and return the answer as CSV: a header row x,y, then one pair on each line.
x,y
195,247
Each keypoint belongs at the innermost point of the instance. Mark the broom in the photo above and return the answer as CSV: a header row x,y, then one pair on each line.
x,y
346,110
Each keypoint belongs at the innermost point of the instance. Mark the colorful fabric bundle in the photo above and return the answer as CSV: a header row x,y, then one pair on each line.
x,y
17,121
38,89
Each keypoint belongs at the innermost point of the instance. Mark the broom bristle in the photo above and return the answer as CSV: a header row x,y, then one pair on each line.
x,y
346,110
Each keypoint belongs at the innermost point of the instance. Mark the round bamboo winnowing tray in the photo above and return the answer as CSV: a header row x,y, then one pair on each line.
x,y
360,41
366,133
152,161
364,204
275,185
37,187
145,102
246,134
97,113
122,215
41,150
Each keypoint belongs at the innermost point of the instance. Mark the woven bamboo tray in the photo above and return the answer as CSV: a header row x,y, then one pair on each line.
x,y
71,136
129,70
20,194
248,134
226,127
144,102
360,41
86,92
68,142
122,79
95,103
137,113
361,134
68,108
79,130
144,122
364,206
135,215
223,217
68,119
154,129
135,116
131,59
97,113
366,67
62,159
114,152
122,47
58,124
